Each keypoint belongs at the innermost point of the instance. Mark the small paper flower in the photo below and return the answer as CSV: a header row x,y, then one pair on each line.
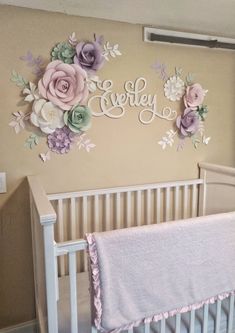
x,y
78,119
174,88
64,85
47,116
89,55
188,123
31,92
194,96
60,141
64,52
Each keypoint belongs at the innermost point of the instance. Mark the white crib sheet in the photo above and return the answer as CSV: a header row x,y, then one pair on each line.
x,y
84,312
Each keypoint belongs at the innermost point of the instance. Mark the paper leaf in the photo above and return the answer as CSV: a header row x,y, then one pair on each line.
x,y
161,69
45,157
167,140
72,39
189,79
32,141
110,50
36,63
178,71
85,143
18,122
18,79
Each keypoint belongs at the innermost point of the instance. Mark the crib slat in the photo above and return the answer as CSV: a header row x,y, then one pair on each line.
x,y
218,316
194,200
163,325
96,213
192,321
73,292
118,210
231,312
128,209
107,212
61,235
146,328
130,330
167,207
148,207
84,226
158,205
185,211
73,218
177,323
176,202
93,330
205,318
138,208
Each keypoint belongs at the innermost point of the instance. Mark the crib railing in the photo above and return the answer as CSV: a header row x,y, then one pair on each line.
x,y
115,208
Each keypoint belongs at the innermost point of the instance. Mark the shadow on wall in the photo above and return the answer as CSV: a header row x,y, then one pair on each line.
x,y
16,266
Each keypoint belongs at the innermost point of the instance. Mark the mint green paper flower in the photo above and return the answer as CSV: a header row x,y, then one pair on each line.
x,y
78,118
64,52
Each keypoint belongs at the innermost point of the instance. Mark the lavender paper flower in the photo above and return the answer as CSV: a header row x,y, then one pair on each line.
x,y
89,55
60,140
188,123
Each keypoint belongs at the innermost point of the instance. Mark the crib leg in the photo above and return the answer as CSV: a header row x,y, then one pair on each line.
x,y
93,329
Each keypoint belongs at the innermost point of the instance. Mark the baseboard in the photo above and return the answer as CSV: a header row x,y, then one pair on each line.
x,y
28,327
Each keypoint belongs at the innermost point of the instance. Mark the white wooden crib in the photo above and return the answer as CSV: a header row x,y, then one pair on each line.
x,y
59,222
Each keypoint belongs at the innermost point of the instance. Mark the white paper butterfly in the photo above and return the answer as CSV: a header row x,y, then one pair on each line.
x,y
206,140
45,157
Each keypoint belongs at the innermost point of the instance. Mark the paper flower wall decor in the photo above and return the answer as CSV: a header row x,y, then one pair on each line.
x,y
58,109
190,122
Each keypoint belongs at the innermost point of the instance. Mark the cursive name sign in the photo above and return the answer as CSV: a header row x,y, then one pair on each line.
x,y
113,104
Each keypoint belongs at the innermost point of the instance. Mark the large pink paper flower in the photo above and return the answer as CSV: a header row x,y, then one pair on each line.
x,y
64,84
194,96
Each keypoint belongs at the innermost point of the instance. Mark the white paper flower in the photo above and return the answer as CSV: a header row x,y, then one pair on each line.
x,y
31,92
47,116
174,88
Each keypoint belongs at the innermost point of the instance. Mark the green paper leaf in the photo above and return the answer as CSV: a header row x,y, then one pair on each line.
x,y
32,141
19,80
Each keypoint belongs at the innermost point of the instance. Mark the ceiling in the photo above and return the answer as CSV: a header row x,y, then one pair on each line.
x,y
215,17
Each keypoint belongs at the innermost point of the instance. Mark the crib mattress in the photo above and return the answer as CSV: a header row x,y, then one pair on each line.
x,y
84,312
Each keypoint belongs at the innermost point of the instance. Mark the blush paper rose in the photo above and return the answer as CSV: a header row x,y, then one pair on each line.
x,y
188,123
194,96
64,84
89,56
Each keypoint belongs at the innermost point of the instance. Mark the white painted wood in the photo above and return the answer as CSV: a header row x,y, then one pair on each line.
x,y
118,210
158,205
185,210
176,203
73,218
148,206
26,327
107,212
218,316
192,321
84,226
202,194
177,323
73,292
50,270
128,209
96,213
167,205
138,208
93,330
205,318
194,200
146,328
130,330
64,248
115,190
231,314
229,171
61,235
163,326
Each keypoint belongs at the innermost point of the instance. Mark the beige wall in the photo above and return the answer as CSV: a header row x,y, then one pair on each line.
x,y
127,151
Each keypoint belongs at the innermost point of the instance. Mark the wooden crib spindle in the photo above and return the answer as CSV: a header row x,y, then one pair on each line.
x,y
167,205
194,200
146,328
177,323
185,210
163,326
158,205
231,313
218,316
148,206
192,321
128,209
73,292
138,208
73,218
61,235
205,318
118,210
176,203
96,213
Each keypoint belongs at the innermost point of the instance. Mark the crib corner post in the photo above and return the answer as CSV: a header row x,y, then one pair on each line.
x,y
50,273
202,192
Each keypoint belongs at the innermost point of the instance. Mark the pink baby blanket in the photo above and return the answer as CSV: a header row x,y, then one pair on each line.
x,y
144,274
